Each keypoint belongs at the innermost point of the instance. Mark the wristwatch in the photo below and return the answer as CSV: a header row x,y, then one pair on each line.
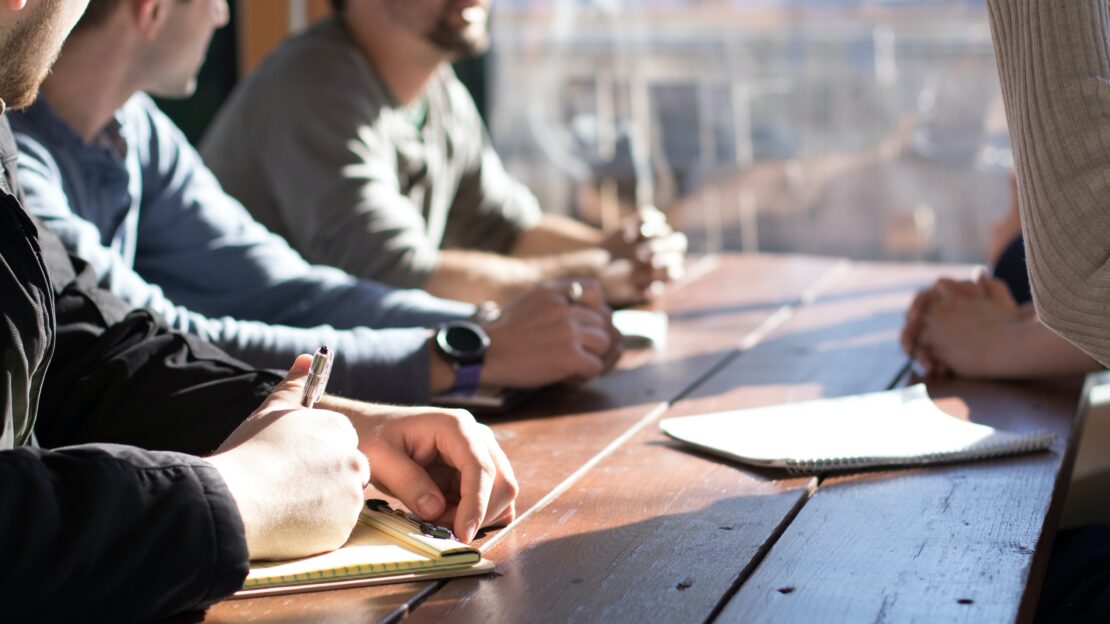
x,y
463,344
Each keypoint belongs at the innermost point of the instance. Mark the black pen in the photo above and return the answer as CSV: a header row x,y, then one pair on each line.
x,y
317,381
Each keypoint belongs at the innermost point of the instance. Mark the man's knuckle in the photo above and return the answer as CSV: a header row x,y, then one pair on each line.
x,y
511,486
463,414
355,462
486,464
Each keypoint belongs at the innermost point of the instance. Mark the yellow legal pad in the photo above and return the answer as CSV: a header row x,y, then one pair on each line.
x,y
385,547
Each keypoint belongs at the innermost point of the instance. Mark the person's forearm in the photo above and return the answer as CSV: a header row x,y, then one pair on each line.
x,y
556,235
1053,67
375,364
1029,350
386,365
477,277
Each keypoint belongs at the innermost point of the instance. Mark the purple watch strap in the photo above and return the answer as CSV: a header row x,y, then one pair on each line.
x,y
466,378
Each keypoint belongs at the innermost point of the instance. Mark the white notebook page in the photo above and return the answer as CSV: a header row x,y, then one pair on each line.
x,y
897,427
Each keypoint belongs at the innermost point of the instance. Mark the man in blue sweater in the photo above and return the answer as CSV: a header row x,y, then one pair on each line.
x,y
118,182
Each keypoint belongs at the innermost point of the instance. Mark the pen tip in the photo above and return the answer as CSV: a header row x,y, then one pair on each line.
x,y
324,350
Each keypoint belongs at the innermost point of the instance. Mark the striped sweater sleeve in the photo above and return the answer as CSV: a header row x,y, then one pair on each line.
x,y
1054,66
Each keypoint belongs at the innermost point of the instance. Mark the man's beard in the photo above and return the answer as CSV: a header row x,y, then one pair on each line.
x,y
27,54
459,42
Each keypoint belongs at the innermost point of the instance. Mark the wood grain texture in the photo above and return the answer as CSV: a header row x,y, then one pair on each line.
x,y
557,432
960,543
657,533
645,530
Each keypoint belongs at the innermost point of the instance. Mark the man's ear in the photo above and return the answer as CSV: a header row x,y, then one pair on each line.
x,y
150,16
16,5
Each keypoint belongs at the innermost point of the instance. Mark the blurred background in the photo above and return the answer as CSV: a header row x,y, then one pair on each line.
x,y
870,129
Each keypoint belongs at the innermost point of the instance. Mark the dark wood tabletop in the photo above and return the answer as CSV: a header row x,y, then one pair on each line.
x,y
617,523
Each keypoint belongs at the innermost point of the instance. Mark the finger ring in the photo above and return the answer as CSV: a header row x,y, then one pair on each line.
x,y
575,293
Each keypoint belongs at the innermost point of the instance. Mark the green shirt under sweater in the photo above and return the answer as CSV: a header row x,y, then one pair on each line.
x,y
314,145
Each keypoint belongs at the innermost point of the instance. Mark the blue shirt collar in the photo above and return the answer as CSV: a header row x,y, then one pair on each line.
x,y
112,139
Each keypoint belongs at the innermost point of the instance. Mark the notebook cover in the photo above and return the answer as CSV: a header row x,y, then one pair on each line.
x,y
386,546
485,566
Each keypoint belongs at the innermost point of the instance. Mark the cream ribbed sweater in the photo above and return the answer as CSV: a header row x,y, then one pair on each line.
x,y
1054,64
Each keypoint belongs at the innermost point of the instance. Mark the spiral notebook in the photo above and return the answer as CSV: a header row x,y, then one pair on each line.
x,y
895,428
386,546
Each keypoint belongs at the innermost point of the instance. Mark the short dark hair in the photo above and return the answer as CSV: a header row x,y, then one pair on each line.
x,y
338,5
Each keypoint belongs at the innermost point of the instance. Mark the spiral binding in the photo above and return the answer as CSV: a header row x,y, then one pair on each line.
x,y
1001,448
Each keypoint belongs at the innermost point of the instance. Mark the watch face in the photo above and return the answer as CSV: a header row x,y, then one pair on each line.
x,y
464,342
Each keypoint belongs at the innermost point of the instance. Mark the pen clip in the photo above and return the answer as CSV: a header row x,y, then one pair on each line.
x,y
424,527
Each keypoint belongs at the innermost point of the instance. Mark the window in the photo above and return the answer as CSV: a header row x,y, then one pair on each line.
x,y
863,128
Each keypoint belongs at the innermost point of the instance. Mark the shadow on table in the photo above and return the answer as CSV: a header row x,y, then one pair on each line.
x,y
668,567
760,473
664,568
865,349
791,354
653,382
833,359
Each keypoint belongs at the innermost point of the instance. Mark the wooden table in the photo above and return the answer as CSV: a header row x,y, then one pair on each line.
x,y
617,523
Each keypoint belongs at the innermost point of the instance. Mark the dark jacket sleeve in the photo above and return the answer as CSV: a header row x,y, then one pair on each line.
x,y
122,376
114,534
107,533
110,533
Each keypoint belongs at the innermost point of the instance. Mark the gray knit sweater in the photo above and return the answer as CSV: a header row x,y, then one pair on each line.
x,y
1055,69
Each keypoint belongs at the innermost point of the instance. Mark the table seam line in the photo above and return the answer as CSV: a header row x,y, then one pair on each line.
x,y
761,554
808,297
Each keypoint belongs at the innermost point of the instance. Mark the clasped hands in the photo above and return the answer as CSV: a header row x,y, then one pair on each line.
x,y
645,254
962,327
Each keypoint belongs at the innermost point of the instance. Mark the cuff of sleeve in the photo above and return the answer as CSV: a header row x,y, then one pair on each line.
x,y
384,366
421,269
231,558
416,308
